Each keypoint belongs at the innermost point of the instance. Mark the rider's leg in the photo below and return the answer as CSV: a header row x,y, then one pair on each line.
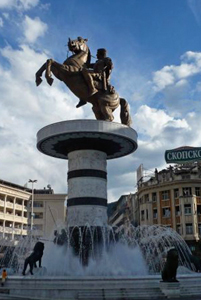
x,y
89,80
107,112
97,112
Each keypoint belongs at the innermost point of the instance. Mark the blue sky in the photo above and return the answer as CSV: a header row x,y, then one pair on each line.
x,y
156,49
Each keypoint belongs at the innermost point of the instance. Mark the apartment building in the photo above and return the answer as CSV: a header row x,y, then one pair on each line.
x,y
172,197
49,212
123,211
13,210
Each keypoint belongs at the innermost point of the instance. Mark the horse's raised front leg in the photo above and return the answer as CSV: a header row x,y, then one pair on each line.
x,y
48,71
39,74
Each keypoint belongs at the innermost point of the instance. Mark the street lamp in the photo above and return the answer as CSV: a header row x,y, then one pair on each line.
x,y
32,200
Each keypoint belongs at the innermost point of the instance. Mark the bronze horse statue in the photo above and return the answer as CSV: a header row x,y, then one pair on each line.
x,y
104,102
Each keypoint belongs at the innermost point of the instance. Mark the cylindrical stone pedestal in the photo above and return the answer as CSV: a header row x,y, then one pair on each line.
x,y
87,144
87,188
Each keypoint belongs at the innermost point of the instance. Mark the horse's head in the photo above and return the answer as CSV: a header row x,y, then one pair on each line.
x,y
78,45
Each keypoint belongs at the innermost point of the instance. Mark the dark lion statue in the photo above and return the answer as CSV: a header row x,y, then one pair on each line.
x,y
35,256
170,268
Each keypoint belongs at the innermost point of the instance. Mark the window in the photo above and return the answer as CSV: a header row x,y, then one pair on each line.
x,y
178,229
38,227
38,215
199,209
189,228
155,213
165,195
166,212
146,198
142,215
187,191
177,210
187,209
154,197
38,204
197,191
147,214
199,229
176,193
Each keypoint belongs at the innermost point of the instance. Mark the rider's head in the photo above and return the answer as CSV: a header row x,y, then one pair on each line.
x,y
101,53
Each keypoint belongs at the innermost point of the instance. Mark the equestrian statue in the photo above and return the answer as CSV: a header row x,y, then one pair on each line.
x,y
90,82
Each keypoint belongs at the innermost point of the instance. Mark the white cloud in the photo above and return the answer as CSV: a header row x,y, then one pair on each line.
x,y
1,22
33,28
24,109
18,4
151,122
169,75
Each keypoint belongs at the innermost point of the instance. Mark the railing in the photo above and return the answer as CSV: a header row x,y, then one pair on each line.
x,y
198,200
2,203
166,221
165,203
154,204
178,219
8,230
9,204
18,206
177,201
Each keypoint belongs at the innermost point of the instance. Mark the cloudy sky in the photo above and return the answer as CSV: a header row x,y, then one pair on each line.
x,y
156,50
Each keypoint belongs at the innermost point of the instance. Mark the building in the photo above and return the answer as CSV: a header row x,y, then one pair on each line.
x,y
49,211
123,211
13,210
172,197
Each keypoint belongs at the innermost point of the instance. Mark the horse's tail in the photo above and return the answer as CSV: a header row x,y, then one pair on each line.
x,y
124,112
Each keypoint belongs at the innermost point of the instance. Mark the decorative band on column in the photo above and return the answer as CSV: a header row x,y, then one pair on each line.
x,y
87,201
87,173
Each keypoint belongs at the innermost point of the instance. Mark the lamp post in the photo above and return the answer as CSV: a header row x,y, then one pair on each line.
x,y
32,200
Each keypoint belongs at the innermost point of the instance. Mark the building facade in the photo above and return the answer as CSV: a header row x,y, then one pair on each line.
x,y
13,210
172,197
123,211
49,212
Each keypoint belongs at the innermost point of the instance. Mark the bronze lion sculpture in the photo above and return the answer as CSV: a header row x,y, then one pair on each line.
x,y
36,256
170,268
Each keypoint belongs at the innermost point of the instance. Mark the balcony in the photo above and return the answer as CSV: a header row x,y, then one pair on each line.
x,y
198,200
2,203
9,204
8,230
166,221
18,206
178,219
177,201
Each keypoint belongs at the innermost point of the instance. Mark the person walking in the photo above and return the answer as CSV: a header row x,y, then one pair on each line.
x,y
3,277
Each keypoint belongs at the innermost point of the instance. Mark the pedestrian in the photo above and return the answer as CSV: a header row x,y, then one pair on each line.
x,y
3,277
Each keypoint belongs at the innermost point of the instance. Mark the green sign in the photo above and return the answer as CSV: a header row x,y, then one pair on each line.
x,y
183,154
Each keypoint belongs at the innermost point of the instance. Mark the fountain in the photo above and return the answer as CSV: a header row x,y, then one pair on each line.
x,y
86,258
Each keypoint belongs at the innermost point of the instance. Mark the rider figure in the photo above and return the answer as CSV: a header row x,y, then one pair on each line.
x,y
100,70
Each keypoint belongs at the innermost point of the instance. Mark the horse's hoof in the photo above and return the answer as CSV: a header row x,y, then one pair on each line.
x,y
50,80
38,81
